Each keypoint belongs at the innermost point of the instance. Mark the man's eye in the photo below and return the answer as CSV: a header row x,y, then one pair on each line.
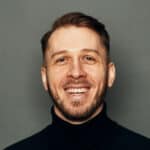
x,y
89,59
61,60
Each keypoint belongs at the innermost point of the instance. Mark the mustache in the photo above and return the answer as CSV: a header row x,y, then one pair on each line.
x,y
80,81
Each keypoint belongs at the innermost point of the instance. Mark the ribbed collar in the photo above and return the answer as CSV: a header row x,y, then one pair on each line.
x,y
99,121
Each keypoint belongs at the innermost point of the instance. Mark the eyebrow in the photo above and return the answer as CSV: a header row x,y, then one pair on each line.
x,y
82,50
58,53
91,50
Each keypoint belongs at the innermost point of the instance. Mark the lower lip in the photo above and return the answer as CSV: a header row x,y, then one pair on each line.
x,y
77,96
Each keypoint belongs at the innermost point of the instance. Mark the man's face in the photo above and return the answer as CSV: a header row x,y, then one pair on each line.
x,y
76,72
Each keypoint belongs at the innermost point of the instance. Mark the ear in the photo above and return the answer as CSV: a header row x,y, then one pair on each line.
x,y
44,78
111,74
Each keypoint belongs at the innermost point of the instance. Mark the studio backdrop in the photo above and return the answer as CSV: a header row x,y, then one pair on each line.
x,y
25,106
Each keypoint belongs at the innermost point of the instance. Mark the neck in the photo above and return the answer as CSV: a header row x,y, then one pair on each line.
x,y
61,116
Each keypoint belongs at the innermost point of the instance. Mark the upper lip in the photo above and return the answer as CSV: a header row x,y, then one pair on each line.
x,y
76,86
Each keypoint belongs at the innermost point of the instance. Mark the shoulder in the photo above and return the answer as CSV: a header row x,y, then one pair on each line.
x,y
129,139
37,141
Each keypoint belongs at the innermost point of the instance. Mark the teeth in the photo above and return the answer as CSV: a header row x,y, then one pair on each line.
x,y
77,90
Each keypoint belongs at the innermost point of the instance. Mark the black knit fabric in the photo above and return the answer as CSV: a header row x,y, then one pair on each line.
x,y
100,133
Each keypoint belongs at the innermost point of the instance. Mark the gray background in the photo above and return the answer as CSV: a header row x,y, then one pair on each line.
x,y
24,106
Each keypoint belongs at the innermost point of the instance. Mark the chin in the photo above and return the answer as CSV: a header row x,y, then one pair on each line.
x,y
78,112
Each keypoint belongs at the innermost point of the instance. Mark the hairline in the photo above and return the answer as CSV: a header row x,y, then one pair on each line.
x,y
51,32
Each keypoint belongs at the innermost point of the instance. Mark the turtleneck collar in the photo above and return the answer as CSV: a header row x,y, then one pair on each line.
x,y
86,135
98,121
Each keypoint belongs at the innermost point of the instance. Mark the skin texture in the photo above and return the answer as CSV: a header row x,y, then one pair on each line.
x,y
76,73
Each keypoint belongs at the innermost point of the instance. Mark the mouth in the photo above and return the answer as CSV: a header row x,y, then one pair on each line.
x,y
77,94
77,90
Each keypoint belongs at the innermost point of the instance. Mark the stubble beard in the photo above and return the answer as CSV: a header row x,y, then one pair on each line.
x,y
79,116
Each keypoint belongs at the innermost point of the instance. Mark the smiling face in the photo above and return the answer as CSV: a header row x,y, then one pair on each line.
x,y
76,73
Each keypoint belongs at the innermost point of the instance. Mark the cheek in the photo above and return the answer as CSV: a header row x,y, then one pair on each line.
x,y
55,76
96,73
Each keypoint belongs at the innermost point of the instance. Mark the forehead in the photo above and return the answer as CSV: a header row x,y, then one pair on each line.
x,y
74,38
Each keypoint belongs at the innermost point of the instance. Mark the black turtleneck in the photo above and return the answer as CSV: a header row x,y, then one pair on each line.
x,y
100,133
85,136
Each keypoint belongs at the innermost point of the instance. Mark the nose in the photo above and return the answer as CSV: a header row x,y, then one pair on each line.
x,y
76,70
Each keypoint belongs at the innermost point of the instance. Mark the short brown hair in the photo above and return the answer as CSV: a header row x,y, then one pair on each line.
x,y
79,20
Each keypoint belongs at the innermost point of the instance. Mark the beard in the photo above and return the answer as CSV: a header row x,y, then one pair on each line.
x,y
79,115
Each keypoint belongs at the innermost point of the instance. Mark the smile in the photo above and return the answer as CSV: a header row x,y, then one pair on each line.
x,y
76,90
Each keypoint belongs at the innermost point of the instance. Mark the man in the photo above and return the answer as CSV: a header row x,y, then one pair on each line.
x,y
76,72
